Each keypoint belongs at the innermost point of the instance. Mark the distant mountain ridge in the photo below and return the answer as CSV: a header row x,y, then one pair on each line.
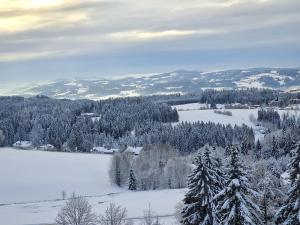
x,y
181,81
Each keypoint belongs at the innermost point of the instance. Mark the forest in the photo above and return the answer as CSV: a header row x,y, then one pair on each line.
x,y
231,176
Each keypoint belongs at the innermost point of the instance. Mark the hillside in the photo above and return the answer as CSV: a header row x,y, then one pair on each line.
x,y
180,81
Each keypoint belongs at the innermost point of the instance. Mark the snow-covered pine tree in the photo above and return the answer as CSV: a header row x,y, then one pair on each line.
x,y
289,214
203,184
274,151
271,191
258,148
234,204
215,168
132,181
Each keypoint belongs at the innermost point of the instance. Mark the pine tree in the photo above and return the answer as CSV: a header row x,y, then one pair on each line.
x,y
244,147
274,152
289,214
132,181
234,204
258,149
271,191
204,183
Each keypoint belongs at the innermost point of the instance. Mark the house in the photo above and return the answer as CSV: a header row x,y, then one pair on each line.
x,y
47,147
102,150
133,150
23,145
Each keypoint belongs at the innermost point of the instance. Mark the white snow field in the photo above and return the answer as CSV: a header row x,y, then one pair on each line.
x,y
31,185
192,113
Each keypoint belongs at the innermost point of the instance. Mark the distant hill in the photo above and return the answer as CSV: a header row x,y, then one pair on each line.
x,y
180,81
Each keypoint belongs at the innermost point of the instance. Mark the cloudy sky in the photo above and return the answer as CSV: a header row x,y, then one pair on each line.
x,y
43,40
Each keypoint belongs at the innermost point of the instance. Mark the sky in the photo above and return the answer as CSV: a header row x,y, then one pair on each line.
x,y
46,40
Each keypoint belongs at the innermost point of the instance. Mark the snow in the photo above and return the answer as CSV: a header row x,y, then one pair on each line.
x,y
36,180
192,113
47,147
129,93
22,144
88,114
82,90
285,177
254,80
96,119
71,84
134,150
190,106
171,88
103,150
62,93
235,182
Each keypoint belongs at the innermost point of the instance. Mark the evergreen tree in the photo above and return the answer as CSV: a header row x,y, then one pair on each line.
x,y
2,137
289,214
204,183
258,149
132,181
275,152
244,147
271,191
234,204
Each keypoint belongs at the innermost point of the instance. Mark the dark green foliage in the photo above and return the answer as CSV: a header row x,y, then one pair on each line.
x,y
132,181
205,181
235,206
289,213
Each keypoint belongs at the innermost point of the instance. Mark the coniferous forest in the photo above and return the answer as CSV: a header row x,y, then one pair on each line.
x,y
231,176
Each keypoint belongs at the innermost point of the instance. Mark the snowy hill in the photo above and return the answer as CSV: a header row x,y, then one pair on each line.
x,y
31,193
180,81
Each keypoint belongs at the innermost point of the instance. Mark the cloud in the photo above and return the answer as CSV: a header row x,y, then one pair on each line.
x,y
140,35
21,56
36,31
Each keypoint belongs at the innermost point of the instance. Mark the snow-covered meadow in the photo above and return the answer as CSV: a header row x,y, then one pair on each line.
x,y
31,185
192,113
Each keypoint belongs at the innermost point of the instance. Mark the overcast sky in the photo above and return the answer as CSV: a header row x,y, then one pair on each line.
x,y
43,40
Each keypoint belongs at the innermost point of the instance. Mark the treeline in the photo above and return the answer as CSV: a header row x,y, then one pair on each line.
x,y
269,116
241,193
244,96
115,123
76,125
188,137
250,96
282,135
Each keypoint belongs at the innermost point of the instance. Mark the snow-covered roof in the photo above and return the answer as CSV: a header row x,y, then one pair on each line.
x,y
47,147
23,144
88,114
103,150
134,150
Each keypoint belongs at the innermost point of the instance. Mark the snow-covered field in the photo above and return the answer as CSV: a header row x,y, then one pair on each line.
x,y
192,113
31,185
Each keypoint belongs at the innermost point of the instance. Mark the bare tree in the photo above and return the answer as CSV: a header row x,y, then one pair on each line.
x,y
63,194
119,169
114,215
150,217
77,211
178,209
